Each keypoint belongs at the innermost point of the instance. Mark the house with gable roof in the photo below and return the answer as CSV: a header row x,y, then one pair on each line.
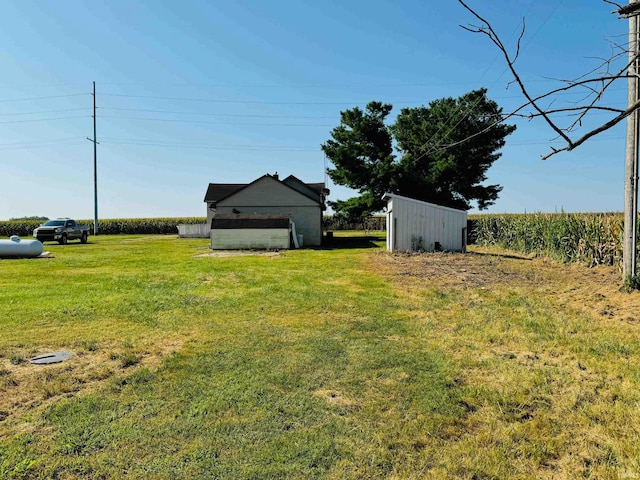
x,y
265,199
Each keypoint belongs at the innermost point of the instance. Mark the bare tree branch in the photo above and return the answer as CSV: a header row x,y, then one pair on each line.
x,y
487,29
595,83
571,109
618,7
596,131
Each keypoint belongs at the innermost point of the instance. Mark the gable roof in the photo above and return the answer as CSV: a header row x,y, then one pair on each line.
x,y
390,196
221,191
311,190
218,191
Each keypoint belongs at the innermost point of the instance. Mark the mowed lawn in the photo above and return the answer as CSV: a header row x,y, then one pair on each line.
x,y
345,362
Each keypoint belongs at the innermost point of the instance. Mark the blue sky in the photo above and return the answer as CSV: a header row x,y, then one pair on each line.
x,y
194,92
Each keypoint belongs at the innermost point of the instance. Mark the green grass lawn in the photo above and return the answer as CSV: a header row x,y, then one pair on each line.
x,y
325,363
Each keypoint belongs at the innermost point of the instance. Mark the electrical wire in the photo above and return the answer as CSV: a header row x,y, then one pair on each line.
x,y
216,123
439,146
446,123
272,148
43,98
44,119
66,139
246,102
49,143
43,111
555,9
152,143
218,114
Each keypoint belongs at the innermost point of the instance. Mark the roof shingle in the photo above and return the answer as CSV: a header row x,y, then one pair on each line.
x,y
220,191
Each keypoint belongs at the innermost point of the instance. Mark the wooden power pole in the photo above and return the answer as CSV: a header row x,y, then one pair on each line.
x,y
631,157
95,165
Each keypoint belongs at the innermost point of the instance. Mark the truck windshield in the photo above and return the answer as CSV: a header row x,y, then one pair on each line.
x,y
54,223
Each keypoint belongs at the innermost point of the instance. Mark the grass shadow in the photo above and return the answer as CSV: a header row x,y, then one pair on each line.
x,y
513,256
350,242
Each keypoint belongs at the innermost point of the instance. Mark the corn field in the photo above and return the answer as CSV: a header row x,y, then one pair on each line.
x,y
588,238
24,228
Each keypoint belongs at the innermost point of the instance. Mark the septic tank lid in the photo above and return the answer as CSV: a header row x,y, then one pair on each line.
x,y
47,358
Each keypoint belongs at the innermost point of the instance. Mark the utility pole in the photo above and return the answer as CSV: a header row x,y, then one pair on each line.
x,y
95,165
631,155
629,245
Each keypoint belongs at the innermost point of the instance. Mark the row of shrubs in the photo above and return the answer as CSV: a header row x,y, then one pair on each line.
x,y
589,238
24,228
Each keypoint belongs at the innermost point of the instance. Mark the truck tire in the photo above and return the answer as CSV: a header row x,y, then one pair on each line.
x,y
63,239
83,238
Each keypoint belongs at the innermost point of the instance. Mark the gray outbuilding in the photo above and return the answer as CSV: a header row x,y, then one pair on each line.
x,y
413,225
303,203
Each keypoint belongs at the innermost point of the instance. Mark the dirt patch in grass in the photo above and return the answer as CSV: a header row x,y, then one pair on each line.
x,y
544,353
595,290
26,387
337,399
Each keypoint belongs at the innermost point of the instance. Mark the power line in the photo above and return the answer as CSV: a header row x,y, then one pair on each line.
x,y
265,102
42,111
555,9
152,143
66,139
168,120
439,146
247,86
283,148
289,86
248,102
471,107
43,98
30,145
540,142
77,86
274,86
200,99
43,119
219,114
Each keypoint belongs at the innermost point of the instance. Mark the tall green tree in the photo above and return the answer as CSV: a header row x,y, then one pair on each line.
x,y
361,151
443,153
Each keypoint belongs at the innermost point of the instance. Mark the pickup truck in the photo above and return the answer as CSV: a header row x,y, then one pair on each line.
x,y
61,230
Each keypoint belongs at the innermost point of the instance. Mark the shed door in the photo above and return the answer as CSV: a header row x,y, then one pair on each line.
x,y
390,231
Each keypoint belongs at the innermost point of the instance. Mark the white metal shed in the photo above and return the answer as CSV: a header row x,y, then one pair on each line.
x,y
413,225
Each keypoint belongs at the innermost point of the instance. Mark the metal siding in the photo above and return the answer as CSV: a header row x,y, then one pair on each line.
x,y
389,221
249,238
210,214
308,220
409,219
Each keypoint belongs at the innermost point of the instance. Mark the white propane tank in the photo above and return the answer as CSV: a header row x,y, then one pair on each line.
x,y
16,248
